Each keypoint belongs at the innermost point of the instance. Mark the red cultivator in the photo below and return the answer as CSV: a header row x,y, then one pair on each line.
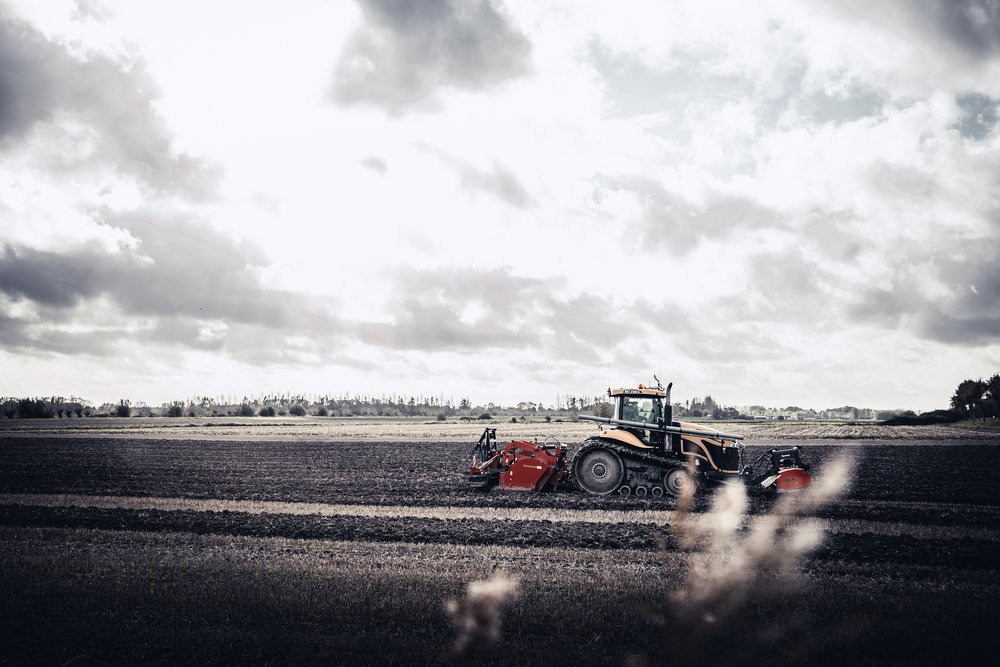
x,y
520,465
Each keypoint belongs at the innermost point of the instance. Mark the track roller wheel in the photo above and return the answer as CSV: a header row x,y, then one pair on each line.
x,y
679,482
641,491
598,471
657,491
625,491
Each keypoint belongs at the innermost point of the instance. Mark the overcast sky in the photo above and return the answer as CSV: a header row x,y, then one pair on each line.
x,y
771,202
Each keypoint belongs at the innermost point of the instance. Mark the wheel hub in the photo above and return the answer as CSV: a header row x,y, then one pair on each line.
x,y
598,470
678,481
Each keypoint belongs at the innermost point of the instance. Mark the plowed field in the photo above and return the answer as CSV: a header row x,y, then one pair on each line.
x,y
135,546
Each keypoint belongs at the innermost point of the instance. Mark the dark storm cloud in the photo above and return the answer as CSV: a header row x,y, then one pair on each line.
x,y
42,84
971,25
54,280
181,275
408,49
972,315
514,312
967,312
670,222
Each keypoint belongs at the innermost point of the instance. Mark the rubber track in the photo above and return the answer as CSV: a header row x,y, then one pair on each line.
x,y
627,454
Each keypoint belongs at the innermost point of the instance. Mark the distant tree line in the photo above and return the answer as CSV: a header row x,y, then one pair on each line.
x,y
977,399
44,408
972,398
272,405
568,406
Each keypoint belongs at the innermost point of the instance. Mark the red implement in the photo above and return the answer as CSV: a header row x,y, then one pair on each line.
x,y
520,465
792,479
786,473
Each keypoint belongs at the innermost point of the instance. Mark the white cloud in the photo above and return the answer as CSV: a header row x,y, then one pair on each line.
x,y
770,202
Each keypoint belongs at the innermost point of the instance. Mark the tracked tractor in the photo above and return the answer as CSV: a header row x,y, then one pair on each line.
x,y
640,451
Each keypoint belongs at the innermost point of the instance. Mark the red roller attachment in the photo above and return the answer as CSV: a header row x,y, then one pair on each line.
x,y
520,465
792,479
786,473
531,467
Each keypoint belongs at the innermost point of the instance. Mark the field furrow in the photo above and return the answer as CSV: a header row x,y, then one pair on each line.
x,y
426,473
661,518
229,544
962,552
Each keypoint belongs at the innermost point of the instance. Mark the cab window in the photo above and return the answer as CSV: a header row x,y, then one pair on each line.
x,y
646,410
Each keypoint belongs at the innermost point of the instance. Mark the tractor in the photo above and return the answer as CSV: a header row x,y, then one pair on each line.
x,y
639,451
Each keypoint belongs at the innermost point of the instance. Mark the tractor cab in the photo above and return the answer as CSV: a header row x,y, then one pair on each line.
x,y
644,405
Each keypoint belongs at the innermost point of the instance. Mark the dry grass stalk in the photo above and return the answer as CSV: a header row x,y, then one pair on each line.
x,y
738,558
477,616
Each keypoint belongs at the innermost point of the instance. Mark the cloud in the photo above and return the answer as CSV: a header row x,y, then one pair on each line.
x,y
781,291
968,25
93,10
498,181
375,163
979,115
81,110
180,282
454,309
752,196
671,222
51,279
468,309
787,285
950,295
837,157
826,62
13,332
407,50
910,48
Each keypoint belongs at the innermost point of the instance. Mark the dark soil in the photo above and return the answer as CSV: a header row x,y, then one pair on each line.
x,y
422,473
865,598
958,553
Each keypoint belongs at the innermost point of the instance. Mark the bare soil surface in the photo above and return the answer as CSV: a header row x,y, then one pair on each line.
x,y
411,429
424,473
137,547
